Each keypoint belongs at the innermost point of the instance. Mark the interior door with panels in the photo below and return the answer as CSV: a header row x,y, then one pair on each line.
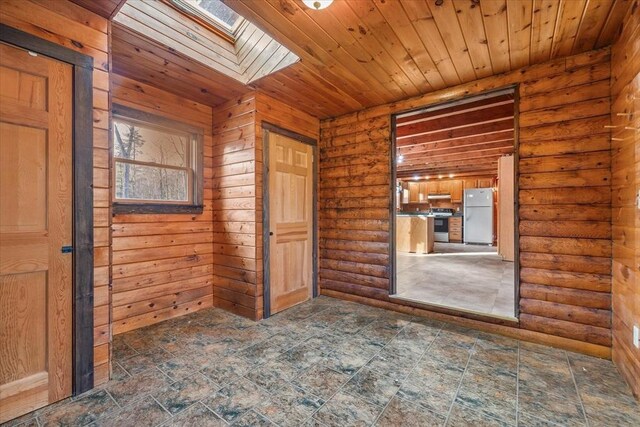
x,y
290,222
36,217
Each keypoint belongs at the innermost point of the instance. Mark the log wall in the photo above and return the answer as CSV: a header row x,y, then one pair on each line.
x,y
237,182
163,263
71,26
565,201
625,168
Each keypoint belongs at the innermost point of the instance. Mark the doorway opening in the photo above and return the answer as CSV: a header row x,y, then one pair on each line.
x,y
454,222
289,219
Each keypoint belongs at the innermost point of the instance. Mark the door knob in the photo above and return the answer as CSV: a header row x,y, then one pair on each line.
x,y
271,233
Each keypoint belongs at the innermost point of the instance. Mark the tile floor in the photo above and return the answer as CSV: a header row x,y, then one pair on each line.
x,y
467,277
335,363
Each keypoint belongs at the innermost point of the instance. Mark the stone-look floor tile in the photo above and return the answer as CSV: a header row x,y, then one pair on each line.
x,y
529,347
558,383
462,416
321,381
253,419
345,361
26,420
394,365
498,342
326,343
452,354
497,375
402,413
178,368
269,349
184,393
138,386
434,392
144,413
611,410
373,386
352,324
196,415
488,399
273,374
226,369
557,409
382,331
120,349
79,412
303,356
507,358
289,406
528,420
141,362
406,342
235,399
117,373
429,366
345,410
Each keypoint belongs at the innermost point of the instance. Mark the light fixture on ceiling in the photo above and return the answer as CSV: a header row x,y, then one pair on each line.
x,y
400,158
317,4
451,175
416,177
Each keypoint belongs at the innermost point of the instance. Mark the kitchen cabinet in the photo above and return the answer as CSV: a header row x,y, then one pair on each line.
x,y
470,183
444,187
415,233
485,182
455,229
414,192
424,191
456,191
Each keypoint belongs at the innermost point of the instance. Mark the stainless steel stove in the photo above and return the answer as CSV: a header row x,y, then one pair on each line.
x,y
441,224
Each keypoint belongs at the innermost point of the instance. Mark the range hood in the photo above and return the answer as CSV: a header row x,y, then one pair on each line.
x,y
438,196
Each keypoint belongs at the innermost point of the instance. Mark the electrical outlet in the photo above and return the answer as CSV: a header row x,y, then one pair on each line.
x,y
636,336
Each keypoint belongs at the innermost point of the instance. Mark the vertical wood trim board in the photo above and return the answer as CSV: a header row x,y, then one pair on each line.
x,y
565,199
71,26
625,175
163,263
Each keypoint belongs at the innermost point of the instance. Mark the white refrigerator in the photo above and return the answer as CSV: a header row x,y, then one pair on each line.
x,y
478,215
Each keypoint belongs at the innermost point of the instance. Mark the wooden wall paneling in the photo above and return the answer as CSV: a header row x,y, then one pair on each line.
x,y
162,262
74,27
235,267
625,176
560,259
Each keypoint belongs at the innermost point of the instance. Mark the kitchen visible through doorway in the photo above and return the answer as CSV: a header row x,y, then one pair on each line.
x,y
454,211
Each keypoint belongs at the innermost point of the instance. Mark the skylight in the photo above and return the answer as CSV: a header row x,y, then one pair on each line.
x,y
213,11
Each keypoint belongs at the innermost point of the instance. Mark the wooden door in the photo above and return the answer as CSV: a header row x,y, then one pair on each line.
x,y
35,222
290,221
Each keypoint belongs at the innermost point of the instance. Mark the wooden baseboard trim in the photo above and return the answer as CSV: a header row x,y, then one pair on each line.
x,y
508,331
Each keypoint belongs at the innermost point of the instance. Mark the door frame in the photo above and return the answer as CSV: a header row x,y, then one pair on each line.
x,y
514,88
82,169
268,128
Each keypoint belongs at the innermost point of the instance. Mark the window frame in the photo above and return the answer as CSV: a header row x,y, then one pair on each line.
x,y
195,177
209,20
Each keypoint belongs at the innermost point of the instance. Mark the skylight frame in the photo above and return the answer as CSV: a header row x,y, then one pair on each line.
x,y
206,17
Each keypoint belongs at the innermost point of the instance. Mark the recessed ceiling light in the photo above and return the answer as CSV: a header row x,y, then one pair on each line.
x,y
439,176
416,177
317,4
451,175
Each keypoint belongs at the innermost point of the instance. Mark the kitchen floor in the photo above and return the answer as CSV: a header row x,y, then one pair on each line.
x,y
334,363
467,277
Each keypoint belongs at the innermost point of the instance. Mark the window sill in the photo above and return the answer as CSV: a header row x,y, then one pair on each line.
x,y
149,208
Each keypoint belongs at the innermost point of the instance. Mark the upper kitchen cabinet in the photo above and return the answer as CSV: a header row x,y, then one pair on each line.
x,y
456,191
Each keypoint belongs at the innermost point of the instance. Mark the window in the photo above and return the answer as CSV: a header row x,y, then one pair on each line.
x,y
157,164
212,11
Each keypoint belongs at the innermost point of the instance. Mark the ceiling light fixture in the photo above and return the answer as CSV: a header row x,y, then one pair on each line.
x,y
317,4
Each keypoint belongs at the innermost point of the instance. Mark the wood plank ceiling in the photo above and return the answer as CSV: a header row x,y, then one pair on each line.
x,y
460,140
360,53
